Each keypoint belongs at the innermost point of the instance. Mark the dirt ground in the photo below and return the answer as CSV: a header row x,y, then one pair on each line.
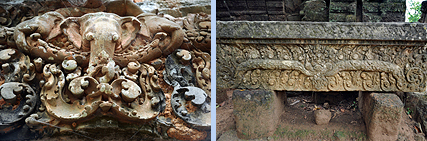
x,y
297,121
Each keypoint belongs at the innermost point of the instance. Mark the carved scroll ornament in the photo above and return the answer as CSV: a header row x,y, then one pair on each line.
x,y
310,67
101,64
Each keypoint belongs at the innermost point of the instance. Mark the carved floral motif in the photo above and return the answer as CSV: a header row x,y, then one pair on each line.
x,y
91,64
319,67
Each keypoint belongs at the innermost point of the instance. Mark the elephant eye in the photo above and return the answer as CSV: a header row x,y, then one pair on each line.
x,y
115,37
89,36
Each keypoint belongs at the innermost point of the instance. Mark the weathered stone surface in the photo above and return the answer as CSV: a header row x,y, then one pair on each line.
x,y
321,30
388,7
256,112
96,67
322,117
382,113
421,112
412,101
315,10
419,137
303,56
371,7
275,7
277,17
257,10
342,17
393,17
371,17
342,7
383,11
263,17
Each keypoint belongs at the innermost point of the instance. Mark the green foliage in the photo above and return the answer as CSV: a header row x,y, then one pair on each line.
x,y
414,12
408,111
354,105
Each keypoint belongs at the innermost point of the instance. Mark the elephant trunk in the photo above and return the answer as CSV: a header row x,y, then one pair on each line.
x,y
102,49
177,38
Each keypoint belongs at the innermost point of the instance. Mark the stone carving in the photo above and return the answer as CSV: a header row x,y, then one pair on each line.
x,y
17,98
189,102
325,66
91,65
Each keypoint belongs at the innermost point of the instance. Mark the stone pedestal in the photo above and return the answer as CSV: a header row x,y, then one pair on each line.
x,y
382,113
257,112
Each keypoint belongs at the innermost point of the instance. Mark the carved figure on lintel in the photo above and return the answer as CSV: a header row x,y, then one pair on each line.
x,y
107,59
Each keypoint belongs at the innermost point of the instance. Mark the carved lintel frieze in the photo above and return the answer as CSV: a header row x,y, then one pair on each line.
x,y
294,61
325,68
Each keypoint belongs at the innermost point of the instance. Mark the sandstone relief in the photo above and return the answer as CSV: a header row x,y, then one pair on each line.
x,y
329,68
322,63
65,70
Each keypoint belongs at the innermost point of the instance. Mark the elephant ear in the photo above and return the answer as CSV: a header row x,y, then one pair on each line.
x,y
130,27
71,28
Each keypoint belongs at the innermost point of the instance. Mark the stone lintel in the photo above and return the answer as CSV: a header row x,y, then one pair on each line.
x,y
322,56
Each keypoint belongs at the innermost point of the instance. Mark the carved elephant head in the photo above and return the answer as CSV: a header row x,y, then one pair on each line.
x,y
101,33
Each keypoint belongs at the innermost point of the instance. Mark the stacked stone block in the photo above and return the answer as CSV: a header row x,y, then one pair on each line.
x,y
371,11
258,10
384,11
342,11
315,10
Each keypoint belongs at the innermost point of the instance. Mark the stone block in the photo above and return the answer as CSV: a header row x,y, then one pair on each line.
x,y
371,17
221,6
223,14
243,18
393,7
226,19
294,18
237,5
263,17
293,6
371,7
256,12
342,17
322,117
394,1
393,17
277,17
275,7
238,13
256,4
315,10
349,1
342,7
256,112
364,1
382,113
